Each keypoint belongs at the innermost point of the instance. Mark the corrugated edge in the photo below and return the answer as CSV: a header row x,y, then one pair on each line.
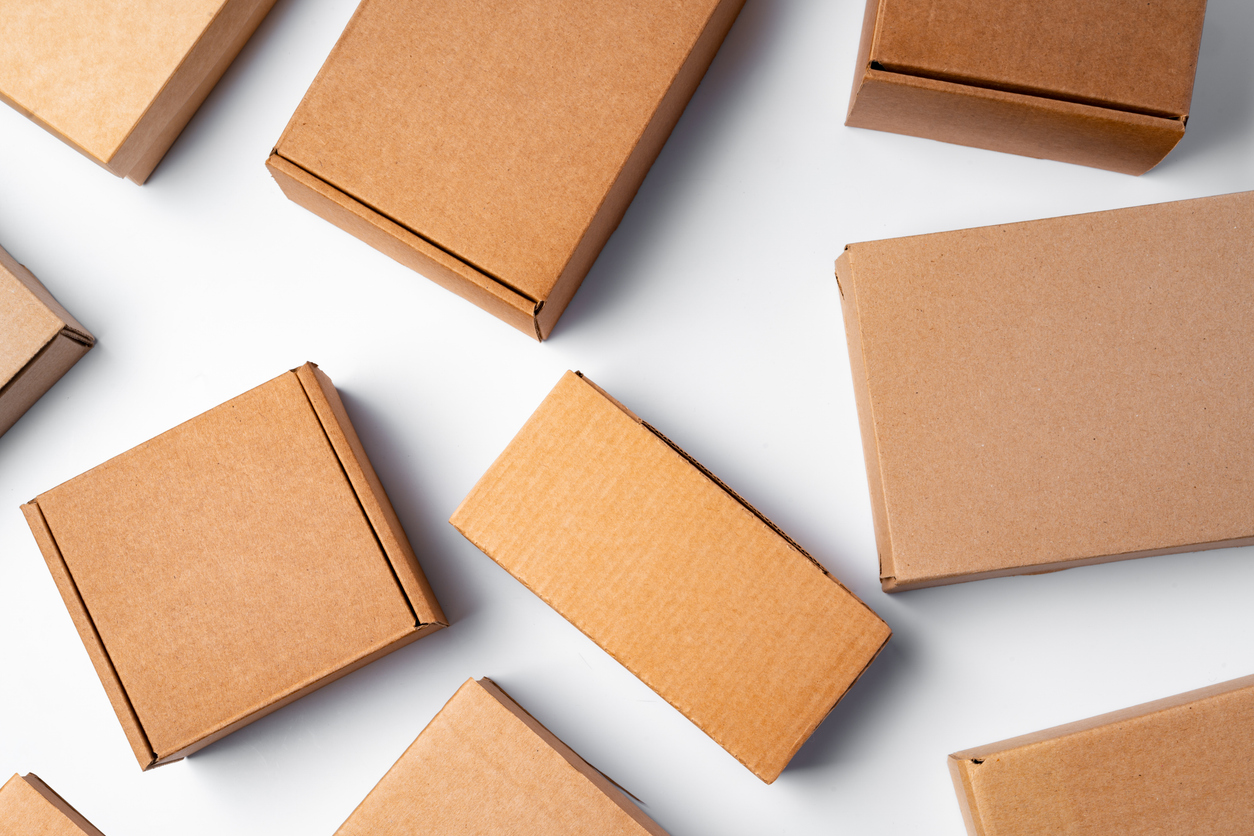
x,y
40,374
959,772
63,807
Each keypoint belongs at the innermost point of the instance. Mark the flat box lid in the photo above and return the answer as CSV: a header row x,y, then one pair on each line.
x,y
484,766
29,807
29,318
672,574
1056,392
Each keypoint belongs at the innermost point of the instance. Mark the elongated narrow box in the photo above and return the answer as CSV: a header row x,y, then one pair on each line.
x,y
673,574
494,147
29,807
1183,765
1056,393
1100,84
484,765
233,564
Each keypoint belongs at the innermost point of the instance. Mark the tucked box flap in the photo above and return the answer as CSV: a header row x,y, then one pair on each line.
x,y
30,807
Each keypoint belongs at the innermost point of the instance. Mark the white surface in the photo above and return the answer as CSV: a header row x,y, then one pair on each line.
x,y
712,313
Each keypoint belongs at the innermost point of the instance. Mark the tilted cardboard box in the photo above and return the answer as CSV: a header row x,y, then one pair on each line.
x,y
1183,765
39,340
673,574
484,765
1056,393
119,79
495,147
232,564
1101,84
29,807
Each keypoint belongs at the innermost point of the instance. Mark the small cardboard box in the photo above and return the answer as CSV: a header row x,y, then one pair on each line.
x,y
39,340
495,147
1101,84
484,765
29,807
673,574
232,565
1183,765
119,79
1056,393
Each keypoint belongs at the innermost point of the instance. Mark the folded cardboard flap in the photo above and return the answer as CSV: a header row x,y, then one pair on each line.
x,y
29,807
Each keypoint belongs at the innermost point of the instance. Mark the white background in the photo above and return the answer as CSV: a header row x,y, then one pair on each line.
x,y
713,313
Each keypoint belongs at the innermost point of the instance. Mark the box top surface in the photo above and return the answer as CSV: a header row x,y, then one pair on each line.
x,y
494,131
1126,54
483,765
26,323
1061,389
672,574
27,810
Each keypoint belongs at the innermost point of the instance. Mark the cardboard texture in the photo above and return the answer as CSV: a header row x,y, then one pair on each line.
x,y
39,340
1183,765
29,807
233,564
119,79
485,766
494,147
1056,393
673,574
1103,84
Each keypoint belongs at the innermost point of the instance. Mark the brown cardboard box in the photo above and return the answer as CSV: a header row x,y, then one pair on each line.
x,y
1183,765
233,564
1056,393
484,765
494,147
119,79
1102,84
673,574
39,340
29,807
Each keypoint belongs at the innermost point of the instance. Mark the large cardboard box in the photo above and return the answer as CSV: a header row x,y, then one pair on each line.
x,y
1183,765
119,79
1103,84
494,147
484,765
1056,393
673,574
29,807
39,340
232,564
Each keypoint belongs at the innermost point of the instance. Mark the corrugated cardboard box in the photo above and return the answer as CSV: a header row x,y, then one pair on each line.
x,y
484,765
494,147
233,564
29,807
1183,765
1102,84
1056,393
673,574
119,79
39,340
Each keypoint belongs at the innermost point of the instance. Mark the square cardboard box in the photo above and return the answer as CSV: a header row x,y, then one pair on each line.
x,y
232,565
29,807
672,574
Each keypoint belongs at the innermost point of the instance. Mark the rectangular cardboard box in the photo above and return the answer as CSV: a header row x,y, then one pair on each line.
x,y
673,574
29,807
1183,765
119,79
39,340
1101,84
1056,393
232,565
484,765
495,147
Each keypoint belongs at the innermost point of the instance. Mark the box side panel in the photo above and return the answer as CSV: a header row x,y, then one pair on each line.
x,y
62,806
966,802
29,808
36,287
37,377
870,22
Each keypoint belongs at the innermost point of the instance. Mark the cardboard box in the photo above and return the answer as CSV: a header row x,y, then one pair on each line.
x,y
484,765
39,340
1101,84
1056,393
494,147
119,79
673,574
1183,765
29,807
233,564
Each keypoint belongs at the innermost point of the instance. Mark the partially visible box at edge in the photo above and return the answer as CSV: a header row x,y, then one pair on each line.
x,y
1056,393
118,80
29,807
495,147
232,565
1104,84
39,340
